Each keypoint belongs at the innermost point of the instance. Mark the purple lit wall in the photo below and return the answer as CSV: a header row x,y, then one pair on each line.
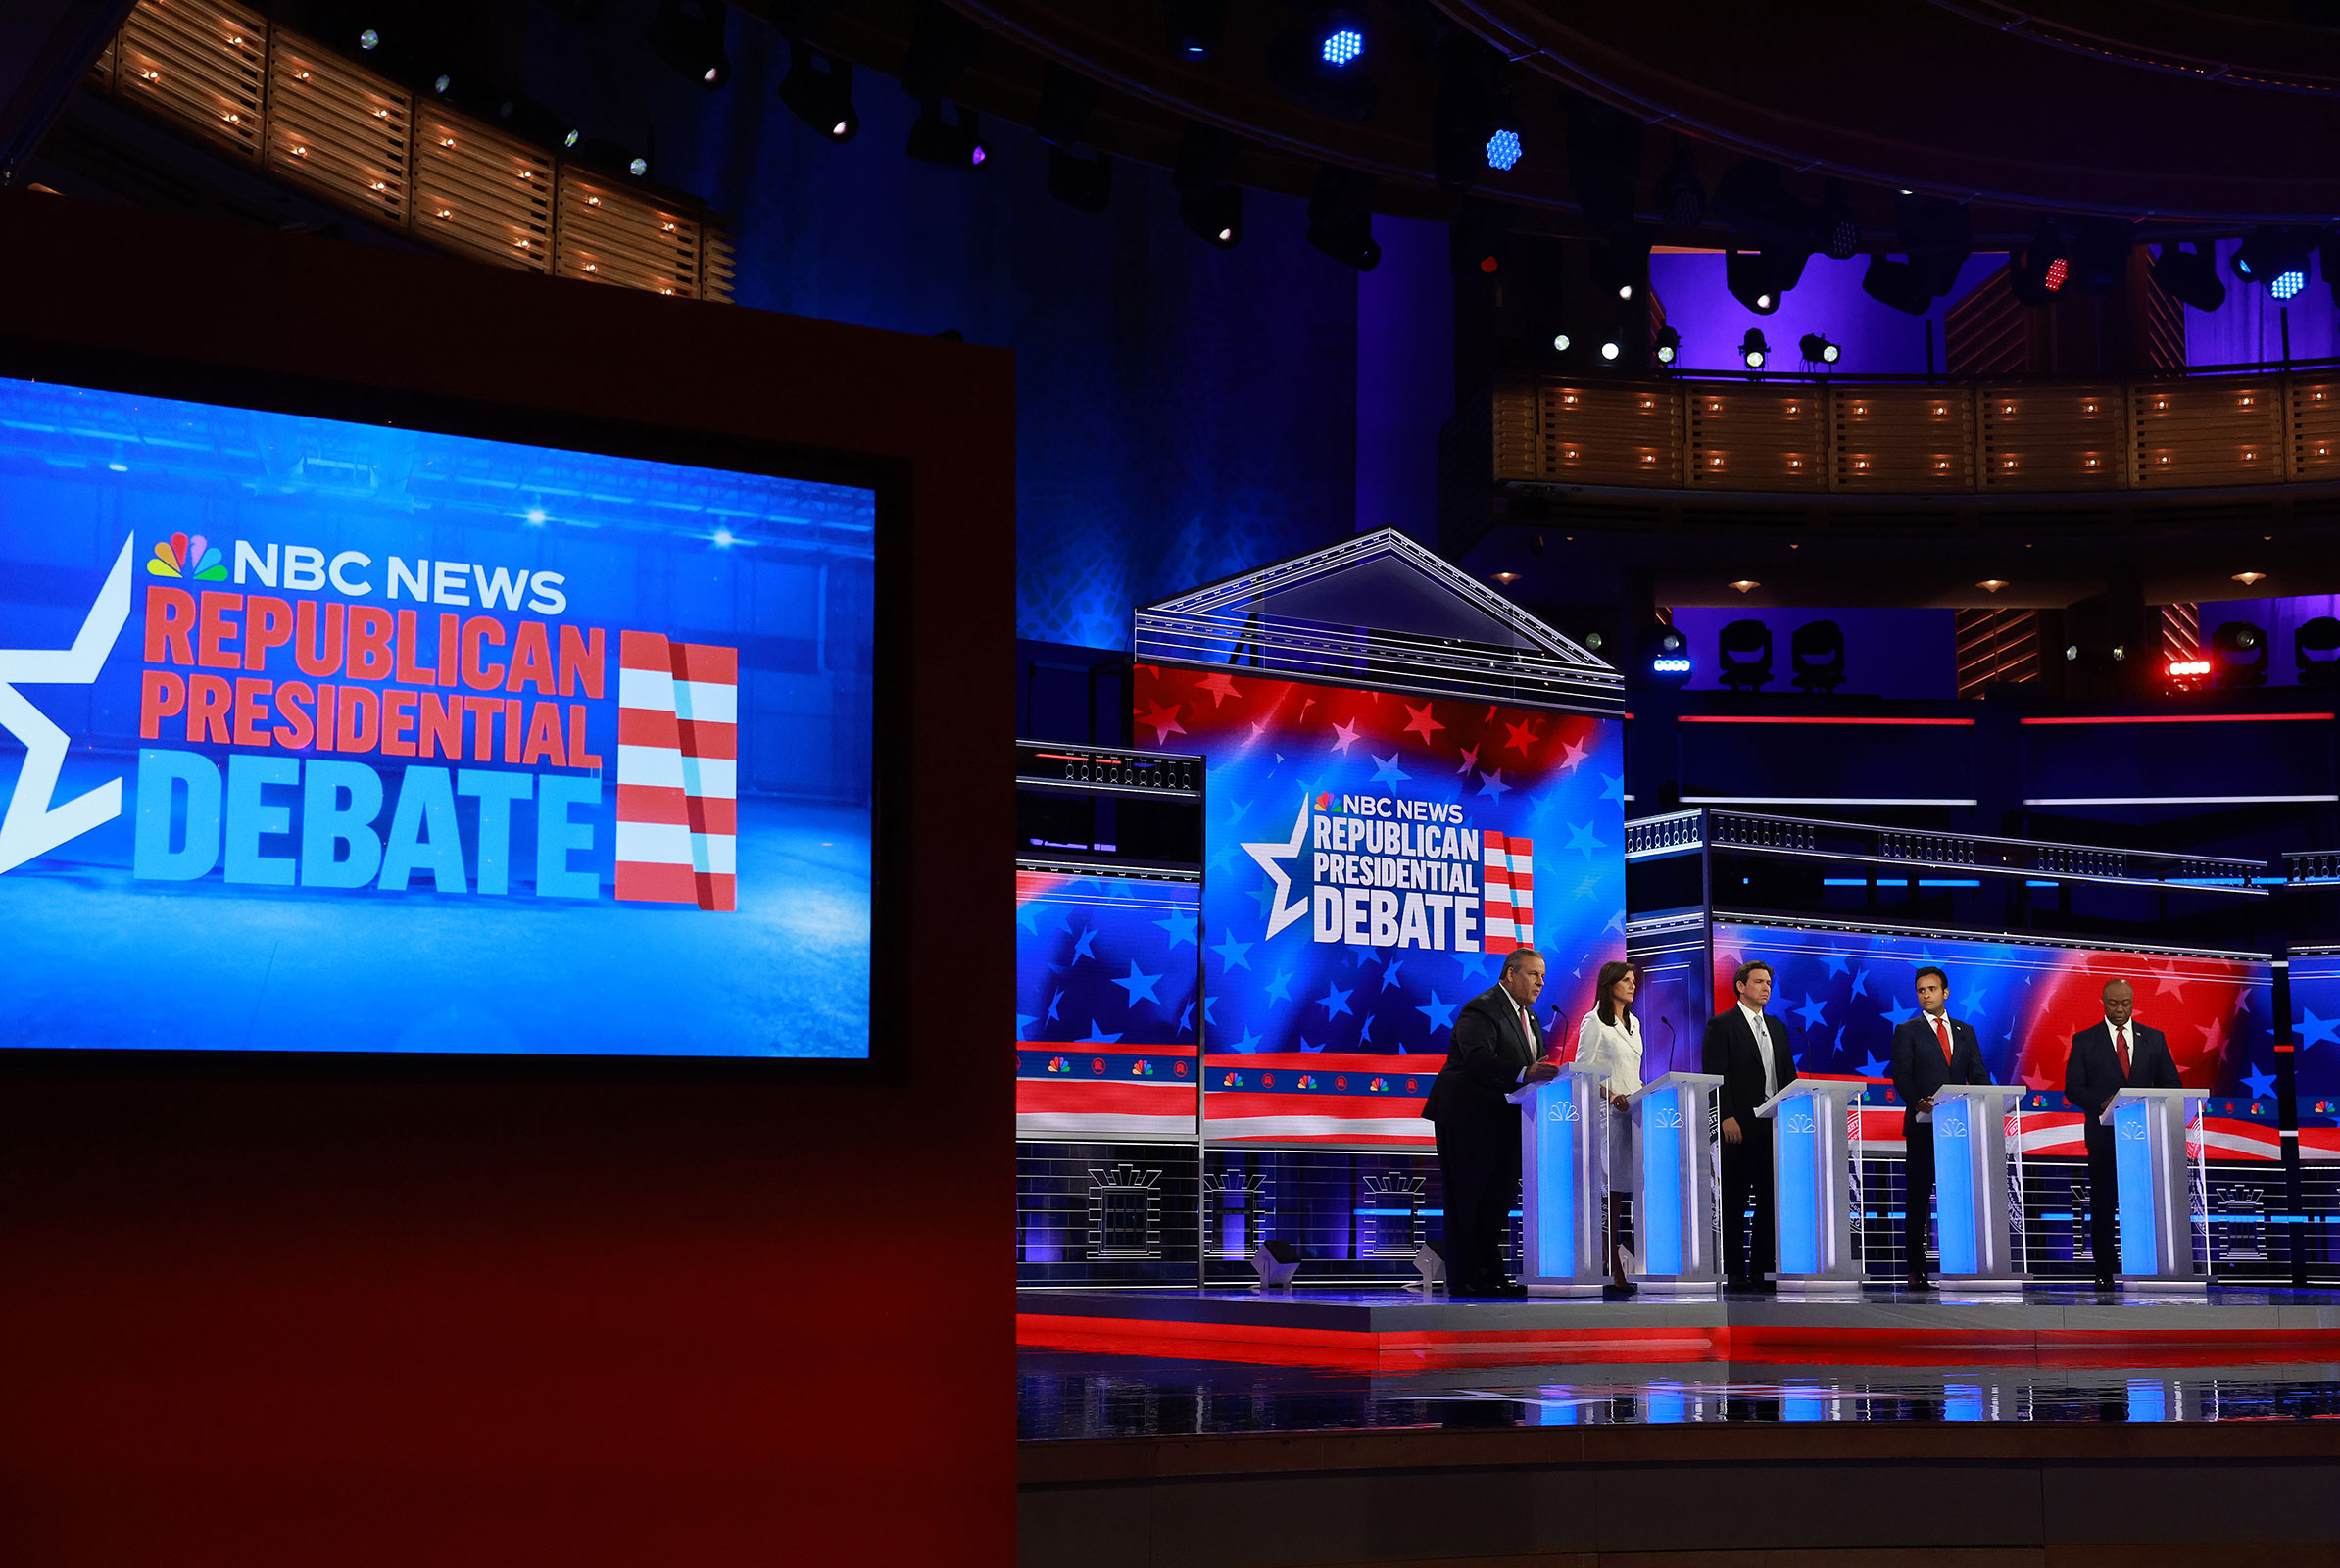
x,y
1876,339
2279,618
2248,330
1405,376
1888,653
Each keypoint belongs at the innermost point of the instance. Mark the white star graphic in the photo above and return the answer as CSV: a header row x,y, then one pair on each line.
x,y
33,826
1286,909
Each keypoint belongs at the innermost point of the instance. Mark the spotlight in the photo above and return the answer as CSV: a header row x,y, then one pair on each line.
x,y
1667,656
2274,257
1761,280
818,90
1899,284
1818,349
2238,655
1560,341
1317,64
1745,648
1472,127
955,143
1816,656
1753,350
1192,29
638,167
942,42
441,83
2316,650
1667,346
1340,217
1207,205
1681,200
1620,270
1475,234
370,40
2189,274
1839,232
688,34
1610,349
1503,149
2179,669
2039,273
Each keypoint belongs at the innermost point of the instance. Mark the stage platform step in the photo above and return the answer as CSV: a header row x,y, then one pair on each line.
x,y
1393,1330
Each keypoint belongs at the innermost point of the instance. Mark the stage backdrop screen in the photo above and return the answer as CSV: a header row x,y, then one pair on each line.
x,y
320,736
1842,993
2316,1023
1372,856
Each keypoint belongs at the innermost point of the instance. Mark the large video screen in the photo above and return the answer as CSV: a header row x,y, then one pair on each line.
x,y
330,737
1842,993
1373,856
2315,1024
1108,987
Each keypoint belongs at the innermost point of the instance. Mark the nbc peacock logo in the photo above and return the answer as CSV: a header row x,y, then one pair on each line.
x,y
181,557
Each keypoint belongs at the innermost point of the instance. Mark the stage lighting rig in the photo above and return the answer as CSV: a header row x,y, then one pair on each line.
x,y
2316,650
1744,652
1667,348
1209,207
818,90
942,43
688,34
1475,235
1473,127
1320,62
1192,29
1753,350
1667,656
1340,217
2038,273
1839,232
2238,655
1681,200
2189,274
2277,258
1760,279
1818,349
1066,100
1620,270
1899,284
955,143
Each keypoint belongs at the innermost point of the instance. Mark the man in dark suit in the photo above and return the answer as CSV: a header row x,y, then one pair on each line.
x,y
1496,1048
1929,1050
1748,1050
2116,1054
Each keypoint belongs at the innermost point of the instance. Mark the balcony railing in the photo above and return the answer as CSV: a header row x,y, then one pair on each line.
x,y
2253,426
265,97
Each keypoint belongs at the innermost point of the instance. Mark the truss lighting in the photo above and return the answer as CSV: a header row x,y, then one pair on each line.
x,y
1343,45
1753,350
1503,150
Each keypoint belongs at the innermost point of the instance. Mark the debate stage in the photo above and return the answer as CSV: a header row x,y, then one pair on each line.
x,y
1393,1330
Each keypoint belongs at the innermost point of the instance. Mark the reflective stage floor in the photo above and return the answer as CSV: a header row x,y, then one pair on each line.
x,y
1156,1363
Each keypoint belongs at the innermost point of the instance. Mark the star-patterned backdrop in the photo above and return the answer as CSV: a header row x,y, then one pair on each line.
x,y
1842,993
2316,1022
1106,959
1556,779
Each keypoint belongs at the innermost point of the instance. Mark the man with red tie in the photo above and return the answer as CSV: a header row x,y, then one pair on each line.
x,y
1929,1050
2107,1057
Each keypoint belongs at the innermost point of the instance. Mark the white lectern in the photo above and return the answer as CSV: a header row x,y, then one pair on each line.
x,y
1673,1185
2156,1228
1560,1170
1970,1183
1812,1185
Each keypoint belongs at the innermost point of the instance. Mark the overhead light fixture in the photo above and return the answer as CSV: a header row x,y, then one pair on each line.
x,y
2250,580
1191,30
2238,655
1503,149
2277,258
1561,341
1066,100
1340,217
818,90
2189,274
1473,237
1610,348
1319,64
1211,209
1506,578
2038,273
2186,668
1620,267
1900,284
942,42
2072,652
1760,279
1937,237
1818,349
688,35
1681,200
955,143
1753,350
1991,586
1839,231
1746,585
1667,346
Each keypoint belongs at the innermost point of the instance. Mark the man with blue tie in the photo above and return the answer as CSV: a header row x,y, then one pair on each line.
x,y
1747,1049
1929,1050
2114,1053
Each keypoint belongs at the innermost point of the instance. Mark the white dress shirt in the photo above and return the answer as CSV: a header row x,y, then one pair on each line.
x,y
1763,1047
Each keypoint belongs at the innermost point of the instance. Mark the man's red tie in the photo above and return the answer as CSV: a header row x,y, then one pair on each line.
x,y
2120,1044
1941,1032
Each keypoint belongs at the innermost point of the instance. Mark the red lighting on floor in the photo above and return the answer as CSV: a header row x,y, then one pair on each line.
x,y
2057,270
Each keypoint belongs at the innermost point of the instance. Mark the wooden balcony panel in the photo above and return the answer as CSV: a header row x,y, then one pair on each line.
x,y
481,192
607,232
202,65
1612,433
339,128
1757,438
1518,421
2053,436
2316,429
1903,439
2216,431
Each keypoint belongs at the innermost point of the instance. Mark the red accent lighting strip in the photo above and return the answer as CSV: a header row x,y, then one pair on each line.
x,y
1798,718
2184,718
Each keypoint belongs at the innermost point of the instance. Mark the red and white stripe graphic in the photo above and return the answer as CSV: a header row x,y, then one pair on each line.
x,y
1507,912
677,772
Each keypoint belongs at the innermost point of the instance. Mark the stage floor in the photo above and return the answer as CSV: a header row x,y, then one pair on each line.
x,y
1388,1330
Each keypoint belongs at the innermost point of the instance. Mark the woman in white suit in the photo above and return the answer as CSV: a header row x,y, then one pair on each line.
x,y
1610,1040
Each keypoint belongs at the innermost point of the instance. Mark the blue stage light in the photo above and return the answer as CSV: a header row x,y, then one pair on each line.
x,y
1503,150
1343,45
2288,283
1670,666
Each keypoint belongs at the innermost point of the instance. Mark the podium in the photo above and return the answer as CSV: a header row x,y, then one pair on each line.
x,y
1812,1185
1969,1181
1673,1185
2156,1227
1560,1180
